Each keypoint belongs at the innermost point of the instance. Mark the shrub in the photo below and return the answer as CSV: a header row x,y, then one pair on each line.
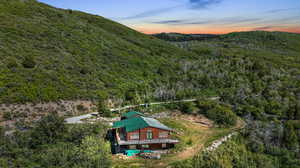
x,y
94,152
76,133
48,130
203,51
205,105
187,107
12,63
7,115
29,62
290,136
103,110
81,108
222,115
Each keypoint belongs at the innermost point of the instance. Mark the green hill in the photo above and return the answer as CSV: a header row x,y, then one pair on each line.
x,y
49,54
258,74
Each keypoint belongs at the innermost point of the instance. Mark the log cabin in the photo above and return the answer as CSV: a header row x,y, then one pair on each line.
x,y
135,131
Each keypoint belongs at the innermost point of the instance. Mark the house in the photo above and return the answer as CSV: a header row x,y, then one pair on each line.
x,y
135,131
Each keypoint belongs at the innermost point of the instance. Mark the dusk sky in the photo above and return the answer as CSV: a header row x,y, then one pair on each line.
x,y
194,16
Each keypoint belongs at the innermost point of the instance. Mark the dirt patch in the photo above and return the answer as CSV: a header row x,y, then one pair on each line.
x,y
34,111
197,119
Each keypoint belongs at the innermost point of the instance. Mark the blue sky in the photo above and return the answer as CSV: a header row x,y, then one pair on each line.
x,y
194,16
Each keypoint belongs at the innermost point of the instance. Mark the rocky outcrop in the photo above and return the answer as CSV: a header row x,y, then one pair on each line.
x,y
31,111
219,142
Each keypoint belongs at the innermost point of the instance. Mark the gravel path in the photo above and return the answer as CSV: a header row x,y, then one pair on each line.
x,y
77,119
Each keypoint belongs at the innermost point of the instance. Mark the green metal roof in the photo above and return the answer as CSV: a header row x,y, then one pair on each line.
x,y
136,123
132,114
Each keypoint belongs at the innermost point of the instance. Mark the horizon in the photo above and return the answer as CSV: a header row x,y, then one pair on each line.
x,y
193,16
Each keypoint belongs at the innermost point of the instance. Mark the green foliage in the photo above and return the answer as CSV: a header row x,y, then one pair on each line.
x,y
29,62
80,59
7,115
235,153
67,146
187,107
48,130
12,63
221,114
45,60
103,109
290,136
94,152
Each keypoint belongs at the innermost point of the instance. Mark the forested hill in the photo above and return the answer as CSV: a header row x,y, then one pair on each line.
x,y
258,74
48,54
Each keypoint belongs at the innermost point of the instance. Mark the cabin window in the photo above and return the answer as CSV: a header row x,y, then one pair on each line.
x,y
149,134
135,136
163,134
164,145
145,146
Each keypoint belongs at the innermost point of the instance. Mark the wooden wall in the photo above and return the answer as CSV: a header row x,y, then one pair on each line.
x,y
143,133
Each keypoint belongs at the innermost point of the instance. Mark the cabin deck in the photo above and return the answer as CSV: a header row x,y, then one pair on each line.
x,y
148,141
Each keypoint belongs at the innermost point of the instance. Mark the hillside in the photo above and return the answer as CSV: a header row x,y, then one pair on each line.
x,y
49,54
258,74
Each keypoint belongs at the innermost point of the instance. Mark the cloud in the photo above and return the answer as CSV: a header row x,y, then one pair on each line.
x,y
264,28
282,10
151,13
169,22
235,20
224,21
181,22
203,4
192,4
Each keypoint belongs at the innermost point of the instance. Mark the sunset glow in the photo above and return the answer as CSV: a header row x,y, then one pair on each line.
x,y
194,16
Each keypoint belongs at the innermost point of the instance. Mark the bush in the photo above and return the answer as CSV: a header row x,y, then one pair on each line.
x,y
29,62
12,63
76,133
187,107
94,152
290,136
81,108
48,130
206,105
103,110
222,115
7,116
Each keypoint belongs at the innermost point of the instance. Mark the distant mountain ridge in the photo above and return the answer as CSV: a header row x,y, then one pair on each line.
x,y
184,37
